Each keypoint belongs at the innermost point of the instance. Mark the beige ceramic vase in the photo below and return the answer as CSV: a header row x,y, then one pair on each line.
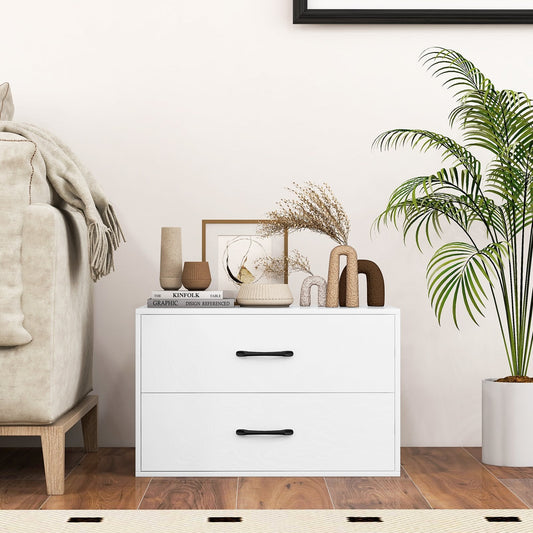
x,y
196,275
170,266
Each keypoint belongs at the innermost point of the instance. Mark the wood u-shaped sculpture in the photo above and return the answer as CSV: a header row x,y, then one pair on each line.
x,y
352,283
375,285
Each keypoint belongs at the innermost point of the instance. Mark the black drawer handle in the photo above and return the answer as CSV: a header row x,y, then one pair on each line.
x,y
243,432
282,353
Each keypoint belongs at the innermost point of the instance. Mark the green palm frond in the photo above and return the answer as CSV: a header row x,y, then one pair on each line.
x,y
510,174
460,269
494,263
427,140
460,73
449,195
491,119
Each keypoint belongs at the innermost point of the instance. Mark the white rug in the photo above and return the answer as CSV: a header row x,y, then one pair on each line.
x,y
246,521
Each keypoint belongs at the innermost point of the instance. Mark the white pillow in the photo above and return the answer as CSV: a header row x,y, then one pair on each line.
x,y
7,109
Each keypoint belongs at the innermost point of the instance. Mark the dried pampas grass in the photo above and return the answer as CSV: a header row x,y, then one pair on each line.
x,y
314,208
277,266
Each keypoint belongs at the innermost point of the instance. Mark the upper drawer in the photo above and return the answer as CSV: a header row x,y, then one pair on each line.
x,y
332,353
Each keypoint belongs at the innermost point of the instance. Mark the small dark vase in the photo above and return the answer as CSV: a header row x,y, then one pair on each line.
x,y
196,275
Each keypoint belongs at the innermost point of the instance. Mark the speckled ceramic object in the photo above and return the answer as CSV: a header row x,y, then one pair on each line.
x,y
352,283
196,275
170,266
263,294
305,291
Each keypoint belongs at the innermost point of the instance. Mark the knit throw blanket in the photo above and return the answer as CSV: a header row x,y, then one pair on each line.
x,y
77,187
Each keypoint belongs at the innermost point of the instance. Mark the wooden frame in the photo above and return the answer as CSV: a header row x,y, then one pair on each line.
x,y
53,439
303,15
207,222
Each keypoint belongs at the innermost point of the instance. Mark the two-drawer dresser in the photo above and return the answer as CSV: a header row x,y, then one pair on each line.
x,y
268,392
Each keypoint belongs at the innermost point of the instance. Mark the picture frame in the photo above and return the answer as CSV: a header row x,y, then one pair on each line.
x,y
415,12
229,244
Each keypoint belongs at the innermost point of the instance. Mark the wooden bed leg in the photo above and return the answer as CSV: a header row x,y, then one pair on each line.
x,y
53,443
89,429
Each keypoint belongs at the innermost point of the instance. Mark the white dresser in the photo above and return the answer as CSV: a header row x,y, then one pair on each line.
x,y
268,392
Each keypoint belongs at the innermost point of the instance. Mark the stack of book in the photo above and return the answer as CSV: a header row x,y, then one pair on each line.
x,y
192,299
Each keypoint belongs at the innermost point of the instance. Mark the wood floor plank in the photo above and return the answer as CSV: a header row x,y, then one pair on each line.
x,y
523,488
375,493
191,493
18,494
103,480
27,463
450,478
503,472
446,477
283,493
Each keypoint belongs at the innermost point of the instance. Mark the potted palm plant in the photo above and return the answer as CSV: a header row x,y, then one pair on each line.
x,y
492,265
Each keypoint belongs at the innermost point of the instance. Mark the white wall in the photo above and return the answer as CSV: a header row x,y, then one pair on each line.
x,y
188,110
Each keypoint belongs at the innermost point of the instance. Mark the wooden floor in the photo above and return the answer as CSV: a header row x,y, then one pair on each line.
x,y
439,478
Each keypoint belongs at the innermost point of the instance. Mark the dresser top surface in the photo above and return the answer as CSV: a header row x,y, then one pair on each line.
x,y
292,310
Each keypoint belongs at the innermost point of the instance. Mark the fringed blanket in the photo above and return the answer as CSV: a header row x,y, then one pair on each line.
x,y
77,187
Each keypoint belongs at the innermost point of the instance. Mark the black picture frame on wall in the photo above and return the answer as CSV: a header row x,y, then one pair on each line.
x,y
303,15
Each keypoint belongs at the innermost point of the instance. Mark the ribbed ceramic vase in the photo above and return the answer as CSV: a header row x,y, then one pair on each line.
x,y
196,275
265,294
170,266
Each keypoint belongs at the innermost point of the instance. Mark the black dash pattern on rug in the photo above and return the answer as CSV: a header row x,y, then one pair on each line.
x,y
364,519
502,519
224,519
85,519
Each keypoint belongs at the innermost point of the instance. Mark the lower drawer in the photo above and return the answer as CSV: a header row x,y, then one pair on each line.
x,y
332,432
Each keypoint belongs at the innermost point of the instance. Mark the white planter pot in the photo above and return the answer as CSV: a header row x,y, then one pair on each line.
x,y
507,430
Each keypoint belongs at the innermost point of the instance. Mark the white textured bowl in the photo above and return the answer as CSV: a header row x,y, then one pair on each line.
x,y
263,294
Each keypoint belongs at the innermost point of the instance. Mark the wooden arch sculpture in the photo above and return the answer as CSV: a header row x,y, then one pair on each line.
x,y
375,285
352,283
